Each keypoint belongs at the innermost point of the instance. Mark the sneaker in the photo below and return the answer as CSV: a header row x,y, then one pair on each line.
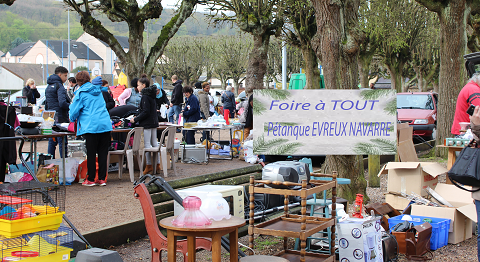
x,y
88,183
101,183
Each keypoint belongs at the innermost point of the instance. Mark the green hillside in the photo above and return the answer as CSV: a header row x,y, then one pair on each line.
x,y
47,19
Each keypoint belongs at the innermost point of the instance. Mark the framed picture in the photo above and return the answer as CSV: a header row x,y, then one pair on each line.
x,y
47,114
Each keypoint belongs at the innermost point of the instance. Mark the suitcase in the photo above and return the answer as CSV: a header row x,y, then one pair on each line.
x,y
390,247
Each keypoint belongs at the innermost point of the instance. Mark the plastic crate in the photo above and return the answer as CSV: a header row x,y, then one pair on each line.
x,y
440,227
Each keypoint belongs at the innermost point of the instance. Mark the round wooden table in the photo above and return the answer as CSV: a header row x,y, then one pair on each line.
x,y
215,231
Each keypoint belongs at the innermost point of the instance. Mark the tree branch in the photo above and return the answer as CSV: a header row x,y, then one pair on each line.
x,y
7,2
168,31
433,5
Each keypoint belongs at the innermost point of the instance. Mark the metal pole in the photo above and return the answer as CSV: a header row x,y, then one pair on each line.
x,y
47,59
62,52
88,57
284,65
68,12
111,64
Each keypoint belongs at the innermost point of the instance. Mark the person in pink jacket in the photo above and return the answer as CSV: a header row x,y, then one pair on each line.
x,y
130,96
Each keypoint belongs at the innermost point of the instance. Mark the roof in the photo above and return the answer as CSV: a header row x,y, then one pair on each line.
x,y
21,49
79,49
122,40
26,71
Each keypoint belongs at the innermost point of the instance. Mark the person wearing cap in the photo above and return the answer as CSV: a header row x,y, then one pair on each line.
x,y
131,96
103,84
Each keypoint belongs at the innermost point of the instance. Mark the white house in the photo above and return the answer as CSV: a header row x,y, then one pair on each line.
x,y
57,54
13,76
16,54
103,50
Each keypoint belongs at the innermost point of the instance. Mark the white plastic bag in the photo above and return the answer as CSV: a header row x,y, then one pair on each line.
x,y
71,167
163,111
248,149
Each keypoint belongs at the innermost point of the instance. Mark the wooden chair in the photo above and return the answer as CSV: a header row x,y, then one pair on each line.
x,y
158,241
128,151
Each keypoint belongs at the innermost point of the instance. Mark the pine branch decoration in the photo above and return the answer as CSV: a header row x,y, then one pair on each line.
x,y
262,146
375,93
258,108
378,146
274,93
285,149
391,107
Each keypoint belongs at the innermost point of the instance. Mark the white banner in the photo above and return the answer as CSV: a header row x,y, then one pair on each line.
x,y
324,122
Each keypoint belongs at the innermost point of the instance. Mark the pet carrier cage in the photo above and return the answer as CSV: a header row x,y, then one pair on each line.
x,y
27,207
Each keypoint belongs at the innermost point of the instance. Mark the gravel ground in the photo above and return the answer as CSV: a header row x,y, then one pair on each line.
x,y
97,207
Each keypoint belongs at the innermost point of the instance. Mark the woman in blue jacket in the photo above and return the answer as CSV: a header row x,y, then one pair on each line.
x,y
93,122
190,113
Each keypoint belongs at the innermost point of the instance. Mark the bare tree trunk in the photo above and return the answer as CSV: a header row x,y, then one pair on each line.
x,y
134,66
395,77
452,72
312,73
453,16
257,63
363,71
420,83
337,43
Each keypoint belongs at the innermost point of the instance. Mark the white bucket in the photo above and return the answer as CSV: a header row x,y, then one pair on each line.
x,y
176,144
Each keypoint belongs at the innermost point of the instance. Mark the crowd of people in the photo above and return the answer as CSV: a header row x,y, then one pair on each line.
x,y
90,104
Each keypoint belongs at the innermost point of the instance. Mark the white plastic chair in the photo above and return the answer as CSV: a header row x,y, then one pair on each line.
x,y
163,149
128,151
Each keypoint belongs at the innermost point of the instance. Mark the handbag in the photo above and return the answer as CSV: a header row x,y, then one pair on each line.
x,y
72,127
466,168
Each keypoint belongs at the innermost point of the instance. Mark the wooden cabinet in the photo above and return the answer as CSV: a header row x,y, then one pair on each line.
x,y
294,226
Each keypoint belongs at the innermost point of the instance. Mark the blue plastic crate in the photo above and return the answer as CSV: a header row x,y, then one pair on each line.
x,y
440,227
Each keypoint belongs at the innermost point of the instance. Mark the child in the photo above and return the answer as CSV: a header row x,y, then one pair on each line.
x,y
147,118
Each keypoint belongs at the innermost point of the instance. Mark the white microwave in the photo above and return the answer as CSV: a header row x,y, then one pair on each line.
x,y
233,194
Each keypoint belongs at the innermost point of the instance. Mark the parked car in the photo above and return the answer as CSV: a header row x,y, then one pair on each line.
x,y
419,110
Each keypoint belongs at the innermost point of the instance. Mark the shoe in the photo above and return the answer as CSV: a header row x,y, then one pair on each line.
x,y
159,167
101,183
148,169
88,183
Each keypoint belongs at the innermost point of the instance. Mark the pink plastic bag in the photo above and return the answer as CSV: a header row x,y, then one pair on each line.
x,y
26,177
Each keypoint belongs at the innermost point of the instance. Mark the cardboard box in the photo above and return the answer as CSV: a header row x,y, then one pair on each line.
x,y
397,202
360,240
461,216
408,177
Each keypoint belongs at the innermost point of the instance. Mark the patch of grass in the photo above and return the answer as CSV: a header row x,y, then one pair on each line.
x,y
263,243
430,155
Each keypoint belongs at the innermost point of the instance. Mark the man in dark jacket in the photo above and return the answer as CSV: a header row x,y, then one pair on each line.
x,y
56,99
176,100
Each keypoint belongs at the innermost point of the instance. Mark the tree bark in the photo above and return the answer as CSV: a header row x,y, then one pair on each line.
x,y
134,64
453,16
311,68
337,43
257,63
363,71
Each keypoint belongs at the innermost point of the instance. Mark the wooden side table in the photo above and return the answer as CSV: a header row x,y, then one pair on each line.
x,y
215,231
452,156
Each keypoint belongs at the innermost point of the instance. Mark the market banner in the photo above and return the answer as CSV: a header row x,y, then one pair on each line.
x,y
324,122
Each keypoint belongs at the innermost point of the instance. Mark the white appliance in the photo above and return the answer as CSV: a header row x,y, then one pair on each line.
x,y
233,194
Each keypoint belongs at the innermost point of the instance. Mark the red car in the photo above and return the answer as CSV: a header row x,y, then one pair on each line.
x,y
419,110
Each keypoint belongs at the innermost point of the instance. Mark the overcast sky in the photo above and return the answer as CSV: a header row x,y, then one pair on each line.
x,y
171,4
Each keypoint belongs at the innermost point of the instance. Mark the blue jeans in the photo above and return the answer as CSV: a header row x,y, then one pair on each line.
x,y
174,110
477,205
52,145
